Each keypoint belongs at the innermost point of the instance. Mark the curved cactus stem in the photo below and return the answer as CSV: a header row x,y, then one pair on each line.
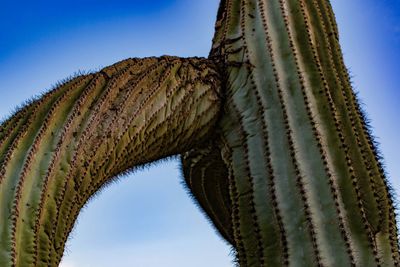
x,y
206,177
63,147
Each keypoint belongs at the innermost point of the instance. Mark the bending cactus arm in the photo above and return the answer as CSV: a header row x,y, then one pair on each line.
x,y
56,152
206,177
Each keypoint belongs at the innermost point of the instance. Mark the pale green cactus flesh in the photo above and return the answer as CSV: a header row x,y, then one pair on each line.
x,y
59,150
305,182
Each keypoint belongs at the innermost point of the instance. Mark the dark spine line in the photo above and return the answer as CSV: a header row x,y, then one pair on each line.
x,y
132,87
97,81
317,134
107,74
79,204
350,97
10,126
158,141
13,148
130,147
124,155
112,126
310,116
360,146
67,145
337,123
15,215
107,86
5,128
299,179
95,185
326,9
378,200
221,194
233,191
243,136
24,130
332,66
55,157
372,183
265,136
325,12
199,187
16,142
13,130
78,199
228,9
268,44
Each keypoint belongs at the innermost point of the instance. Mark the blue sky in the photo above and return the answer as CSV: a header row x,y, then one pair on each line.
x,y
147,219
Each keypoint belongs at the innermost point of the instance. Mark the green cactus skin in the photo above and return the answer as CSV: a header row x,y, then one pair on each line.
x,y
205,175
305,182
274,145
57,151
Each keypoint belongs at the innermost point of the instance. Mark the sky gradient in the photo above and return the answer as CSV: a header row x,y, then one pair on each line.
x,y
147,219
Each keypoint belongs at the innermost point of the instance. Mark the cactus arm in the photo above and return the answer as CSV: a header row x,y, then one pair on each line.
x,y
63,147
9,129
306,184
206,176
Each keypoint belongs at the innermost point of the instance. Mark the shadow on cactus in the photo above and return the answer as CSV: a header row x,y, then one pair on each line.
x,y
274,146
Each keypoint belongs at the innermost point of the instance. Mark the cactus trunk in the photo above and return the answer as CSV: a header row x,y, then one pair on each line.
x,y
61,149
305,182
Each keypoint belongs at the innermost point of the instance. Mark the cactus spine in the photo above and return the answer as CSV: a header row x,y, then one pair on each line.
x,y
59,150
305,182
287,171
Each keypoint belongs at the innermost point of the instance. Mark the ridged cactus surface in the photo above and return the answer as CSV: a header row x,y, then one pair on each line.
x,y
306,186
59,150
275,148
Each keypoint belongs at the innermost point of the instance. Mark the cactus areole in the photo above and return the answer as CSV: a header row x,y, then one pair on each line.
x,y
274,145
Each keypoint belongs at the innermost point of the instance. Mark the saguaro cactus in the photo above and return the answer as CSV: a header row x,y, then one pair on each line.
x,y
305,183
274,146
